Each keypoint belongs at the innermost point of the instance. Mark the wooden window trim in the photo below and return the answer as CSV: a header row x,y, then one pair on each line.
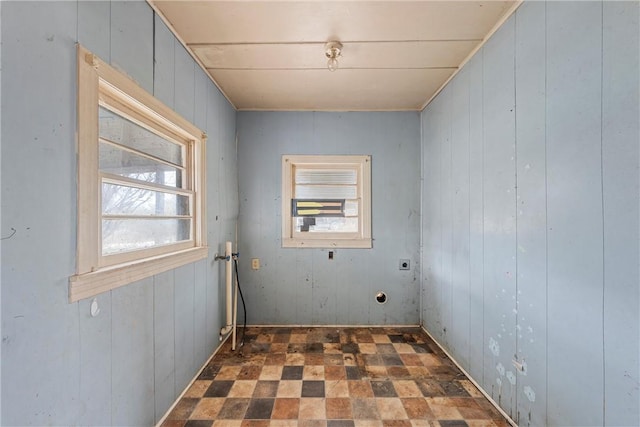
x,y
100,84
360,240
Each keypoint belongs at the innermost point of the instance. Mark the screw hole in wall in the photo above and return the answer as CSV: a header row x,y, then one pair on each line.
x,y
381,297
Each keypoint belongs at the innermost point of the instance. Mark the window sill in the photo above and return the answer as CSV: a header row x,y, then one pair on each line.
x,y
327,244
87,285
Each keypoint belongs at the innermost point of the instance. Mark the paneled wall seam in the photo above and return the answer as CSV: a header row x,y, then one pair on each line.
x,y
484,334
515,210
546,213
469,349
604,266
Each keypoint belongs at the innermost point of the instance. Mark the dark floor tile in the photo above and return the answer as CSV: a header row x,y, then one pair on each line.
x,y
396,338
259,409
453,423
430,388
218,389
332,337
233,409
199,423
340,423
315,347
453,388
172,423
421,348
249,338
408,338
209,372
383,389
312,388
353,373
259,347
385,349
372,359
266,389
391,360
292,372
350,348
183,409
323,335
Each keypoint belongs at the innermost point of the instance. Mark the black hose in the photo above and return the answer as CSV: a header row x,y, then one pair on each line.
x,y
244,307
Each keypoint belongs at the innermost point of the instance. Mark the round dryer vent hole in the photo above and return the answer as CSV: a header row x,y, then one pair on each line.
x,y
381,297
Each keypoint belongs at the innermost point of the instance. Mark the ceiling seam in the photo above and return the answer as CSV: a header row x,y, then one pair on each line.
x,y
190,51
201,44
495,28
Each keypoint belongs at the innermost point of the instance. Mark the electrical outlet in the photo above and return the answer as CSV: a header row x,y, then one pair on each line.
x,y
255,263
404,264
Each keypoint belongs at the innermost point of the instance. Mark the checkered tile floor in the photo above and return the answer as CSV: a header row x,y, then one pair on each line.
x,y
328,377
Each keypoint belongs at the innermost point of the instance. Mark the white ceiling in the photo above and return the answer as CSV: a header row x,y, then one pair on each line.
x,y
269,55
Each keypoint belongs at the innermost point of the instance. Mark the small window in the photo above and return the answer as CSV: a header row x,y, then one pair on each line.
x,y
140,183
326,201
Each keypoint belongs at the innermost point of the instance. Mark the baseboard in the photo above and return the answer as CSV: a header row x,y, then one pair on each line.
x,y
475,383
331,326
175,402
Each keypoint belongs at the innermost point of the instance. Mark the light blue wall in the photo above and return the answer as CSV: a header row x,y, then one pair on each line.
x,y
531,214
302,286
125,367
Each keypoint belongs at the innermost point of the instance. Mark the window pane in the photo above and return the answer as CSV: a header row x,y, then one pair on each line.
x,y
328,176
128,200
120,162
327,225
326,192
122,235
118,129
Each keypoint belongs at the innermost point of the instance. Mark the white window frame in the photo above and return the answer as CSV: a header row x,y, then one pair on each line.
x,y
361,238
99,84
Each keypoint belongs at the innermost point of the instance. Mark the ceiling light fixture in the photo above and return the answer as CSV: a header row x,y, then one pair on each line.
x,y
332,52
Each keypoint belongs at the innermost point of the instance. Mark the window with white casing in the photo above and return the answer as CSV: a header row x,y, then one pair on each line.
x,y
141,176
326,201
